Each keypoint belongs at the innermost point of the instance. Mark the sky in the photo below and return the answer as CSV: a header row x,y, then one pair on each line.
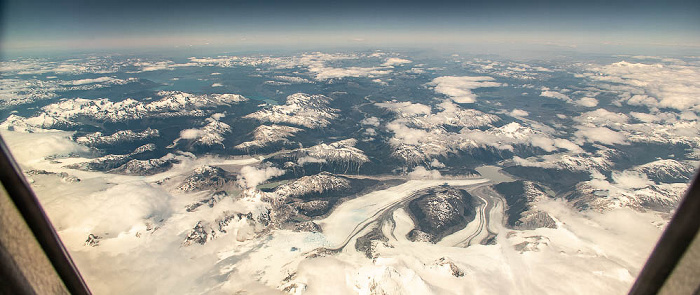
x,y
80,24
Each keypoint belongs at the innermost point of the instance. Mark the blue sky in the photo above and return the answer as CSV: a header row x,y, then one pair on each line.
x,y
130,23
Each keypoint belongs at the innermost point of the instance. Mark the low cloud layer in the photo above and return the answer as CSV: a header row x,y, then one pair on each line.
x,y
421,173
250,176
459,89
655,85
600,134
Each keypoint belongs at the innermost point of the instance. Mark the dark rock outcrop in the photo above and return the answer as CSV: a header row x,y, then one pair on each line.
x,y
440,211
520,213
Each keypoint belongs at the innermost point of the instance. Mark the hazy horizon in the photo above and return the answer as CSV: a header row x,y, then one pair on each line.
x,y
41,26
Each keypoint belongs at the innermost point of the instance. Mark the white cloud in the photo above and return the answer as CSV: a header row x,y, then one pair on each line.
x,y
509,69
656,126
190,133
601,134
420,116
533,163
665,85
407,135
250,176
371,121
545,143
406,108
690,116
73,66
519,113
415,145
210,134
603,117
416,71
325,73
642,100
437,164
218,116
631,179
551,144
303,160
149,66
587,102
554,94
114,210
91,81
380,82
395,61
318,64
568,145
644,117
459,89
421,173
28,148
291,79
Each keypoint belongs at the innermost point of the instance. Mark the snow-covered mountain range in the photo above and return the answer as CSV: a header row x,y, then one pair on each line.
x,y
371,172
